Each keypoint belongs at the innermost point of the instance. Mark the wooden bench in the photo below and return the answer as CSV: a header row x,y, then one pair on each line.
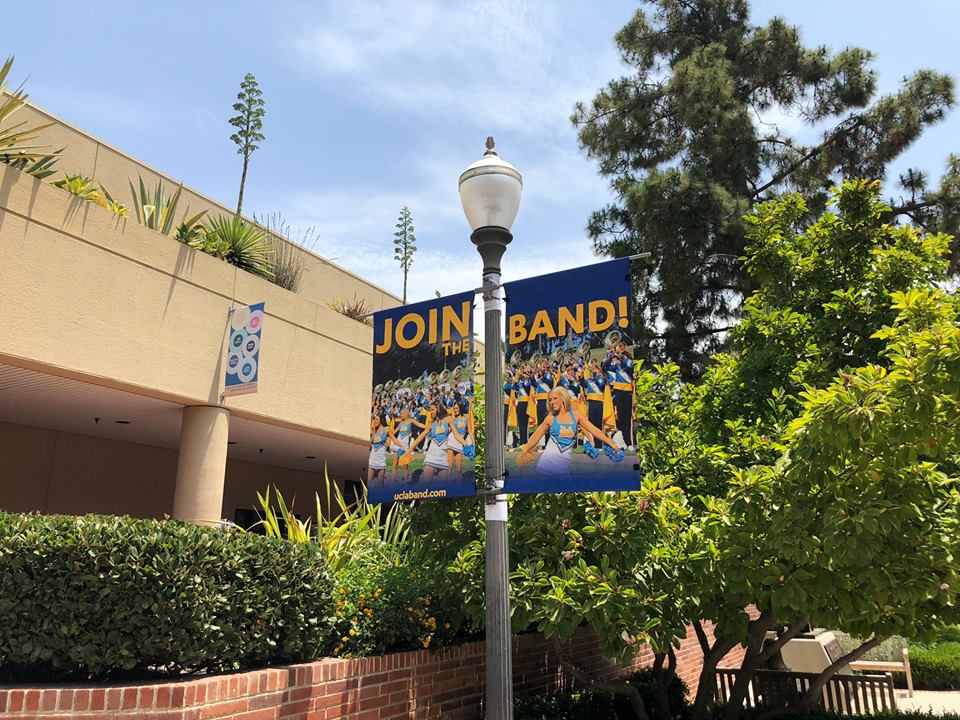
x,y
888,667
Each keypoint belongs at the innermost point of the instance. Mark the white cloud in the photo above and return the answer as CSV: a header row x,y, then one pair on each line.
x,y
491,63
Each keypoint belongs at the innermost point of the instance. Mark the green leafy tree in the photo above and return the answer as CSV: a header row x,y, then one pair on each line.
x,y
813,474
405,245
690,142
249,123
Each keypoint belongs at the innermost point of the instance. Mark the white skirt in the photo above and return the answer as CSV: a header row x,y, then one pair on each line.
x,y
437,456
402,444
454,444
378,458
554,462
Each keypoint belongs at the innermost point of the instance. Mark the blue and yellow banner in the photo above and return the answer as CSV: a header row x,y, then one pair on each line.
x,y
422,443
568,382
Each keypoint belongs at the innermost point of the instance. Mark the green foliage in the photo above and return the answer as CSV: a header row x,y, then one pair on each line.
x,y
40,167
248,122
358,535
936,666
582,705
108,597
83,187
687,143
389,607
16,140
240,244
405,245
601,705
159,211
114,206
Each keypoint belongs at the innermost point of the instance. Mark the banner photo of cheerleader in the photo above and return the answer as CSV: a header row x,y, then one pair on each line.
x,y
568,382
421,425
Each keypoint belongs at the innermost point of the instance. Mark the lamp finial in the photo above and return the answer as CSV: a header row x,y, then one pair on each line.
x,y
490,144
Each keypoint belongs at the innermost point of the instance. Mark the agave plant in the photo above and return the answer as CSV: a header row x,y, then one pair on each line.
x,y
348,533
15,139
83,187
193,235
240,244
158,212
117,208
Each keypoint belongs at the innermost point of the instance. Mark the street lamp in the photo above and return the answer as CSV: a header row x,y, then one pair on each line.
x,y
490,193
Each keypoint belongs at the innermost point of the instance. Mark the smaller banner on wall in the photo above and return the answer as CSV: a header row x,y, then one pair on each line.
x,y
421,428
243,350
568,382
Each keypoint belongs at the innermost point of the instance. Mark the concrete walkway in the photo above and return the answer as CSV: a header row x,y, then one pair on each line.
x,y
939,702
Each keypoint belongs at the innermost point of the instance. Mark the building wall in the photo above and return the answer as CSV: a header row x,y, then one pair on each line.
x,y
65,473
86,155
119,304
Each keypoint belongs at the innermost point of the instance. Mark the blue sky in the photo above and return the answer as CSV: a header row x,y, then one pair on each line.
x,y
376,105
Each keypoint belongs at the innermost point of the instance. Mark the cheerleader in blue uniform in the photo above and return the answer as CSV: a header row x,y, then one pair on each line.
x,y
404,434
561,426
380,437
440,430
463,425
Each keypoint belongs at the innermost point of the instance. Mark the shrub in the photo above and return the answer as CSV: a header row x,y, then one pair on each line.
x,y
600,705
583,705
355,309
936,666
389,608
107,597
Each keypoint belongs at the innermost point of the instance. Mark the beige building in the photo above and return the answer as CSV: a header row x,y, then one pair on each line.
x,y
112,358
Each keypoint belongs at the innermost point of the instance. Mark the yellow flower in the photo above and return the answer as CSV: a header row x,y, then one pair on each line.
x,y
368,612
352,632
446,626
344,639
347,656
426,641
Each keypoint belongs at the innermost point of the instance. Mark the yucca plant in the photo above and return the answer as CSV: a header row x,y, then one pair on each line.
x,y
158,212
348,533
15,139
240,244
83,187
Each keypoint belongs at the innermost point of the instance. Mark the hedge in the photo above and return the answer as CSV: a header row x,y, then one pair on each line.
x,y
115,597
936,666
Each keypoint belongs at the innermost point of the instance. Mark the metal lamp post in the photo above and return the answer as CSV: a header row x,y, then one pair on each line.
x,y
490,193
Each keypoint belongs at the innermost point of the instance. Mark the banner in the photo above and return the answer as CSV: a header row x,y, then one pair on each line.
x,y
421,428
243,350
568,382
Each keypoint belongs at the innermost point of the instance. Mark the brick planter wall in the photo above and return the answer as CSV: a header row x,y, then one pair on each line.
x,y
409,685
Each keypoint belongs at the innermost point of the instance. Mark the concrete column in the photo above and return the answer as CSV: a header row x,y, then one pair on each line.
x,y
201,464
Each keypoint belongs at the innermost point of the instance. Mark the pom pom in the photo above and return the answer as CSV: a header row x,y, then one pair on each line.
x,y
593,452
615,455
470,452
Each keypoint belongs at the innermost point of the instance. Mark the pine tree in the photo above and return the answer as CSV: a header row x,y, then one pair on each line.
x,y
690,144
405,245
249,123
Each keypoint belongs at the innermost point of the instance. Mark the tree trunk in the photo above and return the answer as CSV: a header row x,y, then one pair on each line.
x,y
243,180
404,286
664,677
707,683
